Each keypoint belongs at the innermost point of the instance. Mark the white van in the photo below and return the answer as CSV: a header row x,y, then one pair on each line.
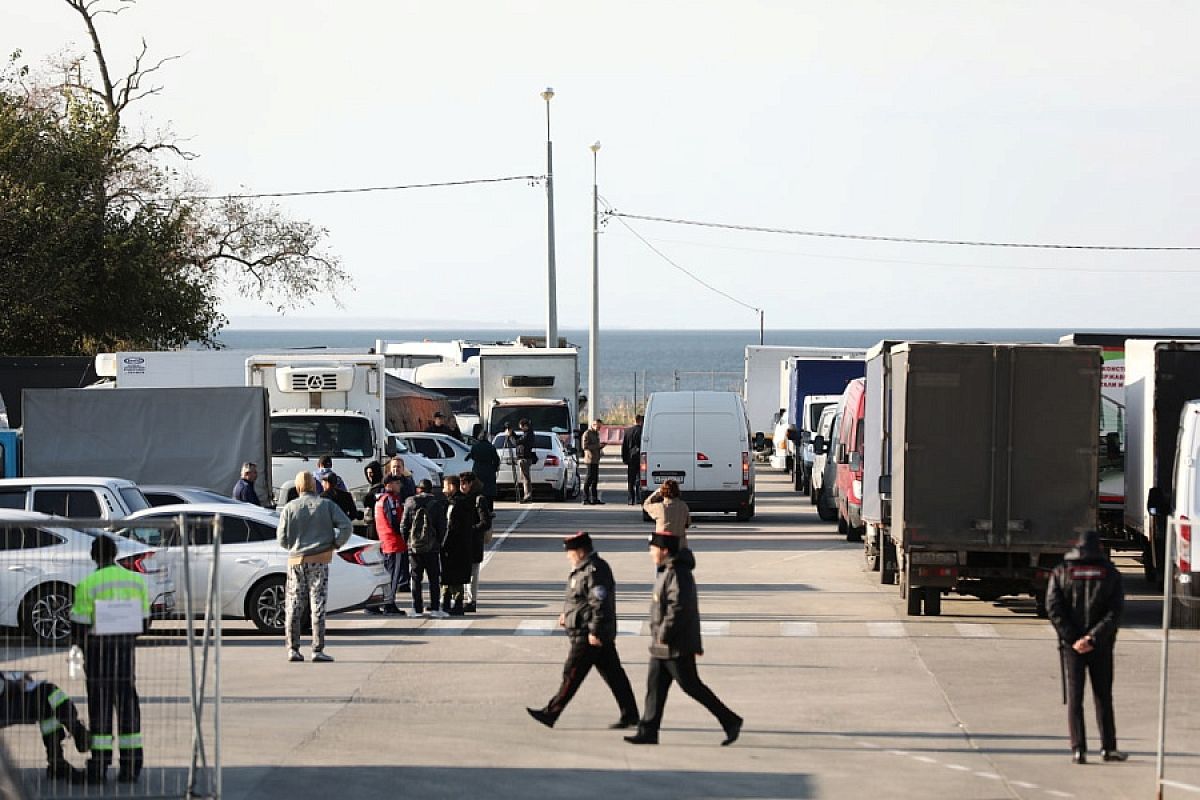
x,y
702,440
1180,504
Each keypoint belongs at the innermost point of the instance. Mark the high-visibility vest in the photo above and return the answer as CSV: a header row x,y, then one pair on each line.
x,y
108,583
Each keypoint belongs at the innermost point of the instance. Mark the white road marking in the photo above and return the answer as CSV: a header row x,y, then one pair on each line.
x,y
958,767
1187,787
1057,793
536,627
886,630
989,775
499,540
871,745
976,630
446,627
898,752
925,759
798,628
1025,784
629,627
714,628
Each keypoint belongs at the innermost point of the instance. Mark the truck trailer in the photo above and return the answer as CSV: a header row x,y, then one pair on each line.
x,y
821,373
983,462
541,385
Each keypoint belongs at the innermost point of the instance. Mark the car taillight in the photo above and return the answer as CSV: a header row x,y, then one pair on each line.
x,y
1185,545
701,457
550,461
138,563
358,555
745,469
643,470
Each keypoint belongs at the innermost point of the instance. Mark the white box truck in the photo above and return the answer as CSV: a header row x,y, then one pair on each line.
x,y
323,404
539,384
764,382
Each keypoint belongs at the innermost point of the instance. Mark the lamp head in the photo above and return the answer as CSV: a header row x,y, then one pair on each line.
x,y
595,148
549,93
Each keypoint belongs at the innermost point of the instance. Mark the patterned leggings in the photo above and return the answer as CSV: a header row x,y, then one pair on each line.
x,y
311,580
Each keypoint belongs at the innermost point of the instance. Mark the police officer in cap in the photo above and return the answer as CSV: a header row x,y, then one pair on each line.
x,y
590,618
1085,600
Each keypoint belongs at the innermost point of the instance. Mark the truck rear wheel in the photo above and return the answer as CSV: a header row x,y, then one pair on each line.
x,y
915,595
933,601
1184,614
887,561
826,511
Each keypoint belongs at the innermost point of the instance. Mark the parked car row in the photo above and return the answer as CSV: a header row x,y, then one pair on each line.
x,y
44,556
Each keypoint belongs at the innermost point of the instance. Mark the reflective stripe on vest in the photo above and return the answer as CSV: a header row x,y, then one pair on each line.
x,y
49,725
129,741
102,741
57,698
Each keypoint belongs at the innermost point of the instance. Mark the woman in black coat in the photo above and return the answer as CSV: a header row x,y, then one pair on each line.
x,y
457,550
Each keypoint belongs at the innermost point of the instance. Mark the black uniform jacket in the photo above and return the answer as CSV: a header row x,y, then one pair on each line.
x,y
590,604
675,609
1085,598
631,446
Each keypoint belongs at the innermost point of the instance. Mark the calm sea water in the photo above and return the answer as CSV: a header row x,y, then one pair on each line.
x,y
635,363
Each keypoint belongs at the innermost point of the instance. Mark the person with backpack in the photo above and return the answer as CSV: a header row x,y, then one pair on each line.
x,y
424,528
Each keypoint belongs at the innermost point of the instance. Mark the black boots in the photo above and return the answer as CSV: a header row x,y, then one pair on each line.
x,y
57,766
543,716
456,610
1078,756
732,731
1113,755
642,737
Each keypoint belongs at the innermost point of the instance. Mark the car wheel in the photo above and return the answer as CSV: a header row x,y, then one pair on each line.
x,y
45,613
266,605
826,511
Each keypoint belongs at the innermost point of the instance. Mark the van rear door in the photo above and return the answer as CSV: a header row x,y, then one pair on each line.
x,y
671,452
718,452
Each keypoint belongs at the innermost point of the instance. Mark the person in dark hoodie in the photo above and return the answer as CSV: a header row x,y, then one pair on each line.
x,y
424,528
1085,600
340,497
675,642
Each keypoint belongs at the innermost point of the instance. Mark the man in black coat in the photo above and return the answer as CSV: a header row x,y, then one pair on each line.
x,y
590,619
631,457
1085,600
675,642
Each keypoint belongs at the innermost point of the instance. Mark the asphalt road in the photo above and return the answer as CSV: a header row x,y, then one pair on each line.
x,y
843,695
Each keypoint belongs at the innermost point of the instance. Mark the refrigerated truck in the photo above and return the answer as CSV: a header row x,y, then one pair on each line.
x,y
1160,378
539,384
992,465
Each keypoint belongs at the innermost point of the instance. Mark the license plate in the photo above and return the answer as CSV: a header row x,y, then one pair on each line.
x,y
663,475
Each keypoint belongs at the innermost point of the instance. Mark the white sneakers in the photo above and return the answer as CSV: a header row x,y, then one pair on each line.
x,y
438,614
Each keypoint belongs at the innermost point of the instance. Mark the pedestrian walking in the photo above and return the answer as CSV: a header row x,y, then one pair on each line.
x,y
27,700
593,449
670,513
590,618
1085,600
243,490
311,529
481,536
340,497
461,519
389,511
423,526
631,457
675,642
109,612
526,457
487,463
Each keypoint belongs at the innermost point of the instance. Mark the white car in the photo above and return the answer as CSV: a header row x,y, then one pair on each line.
x,y
174,495
41,563
557,468
253,566
442,449
418,465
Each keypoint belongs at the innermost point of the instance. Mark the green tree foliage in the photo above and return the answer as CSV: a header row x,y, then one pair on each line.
x,y
100,246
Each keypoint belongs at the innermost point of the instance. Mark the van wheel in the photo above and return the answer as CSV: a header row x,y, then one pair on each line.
x,y
853,534
1183,615
45,613
933,601
913,596
826,512
746,513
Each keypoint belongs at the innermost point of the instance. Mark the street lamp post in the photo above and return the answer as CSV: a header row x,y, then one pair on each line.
x,y
551,289
594,329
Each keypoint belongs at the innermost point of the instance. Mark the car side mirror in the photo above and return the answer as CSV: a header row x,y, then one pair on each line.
x,y
819,446
1157,502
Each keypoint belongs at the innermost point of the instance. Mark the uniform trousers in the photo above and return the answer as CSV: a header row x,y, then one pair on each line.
x,y
43,704
109,665
1097,664
592,483
580,660
633,473
682,670
422,565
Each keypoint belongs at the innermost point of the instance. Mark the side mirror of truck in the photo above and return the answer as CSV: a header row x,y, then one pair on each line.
x,y
885,487
840,457
819,446
760,440
389,447
855,461
1157,502
793,435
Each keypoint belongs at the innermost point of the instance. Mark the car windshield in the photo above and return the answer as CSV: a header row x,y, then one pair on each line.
x,y
541,418
541,441
134,498
341,437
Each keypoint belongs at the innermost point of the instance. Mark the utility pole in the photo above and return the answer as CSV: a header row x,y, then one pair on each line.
x,y
551,288
594,328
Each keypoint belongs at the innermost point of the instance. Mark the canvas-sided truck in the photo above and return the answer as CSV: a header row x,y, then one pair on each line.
x,y
815,380
992,457
321,404
541,385
194,436
1160,378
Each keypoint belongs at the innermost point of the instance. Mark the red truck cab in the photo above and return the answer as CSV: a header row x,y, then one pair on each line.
x,y
848,454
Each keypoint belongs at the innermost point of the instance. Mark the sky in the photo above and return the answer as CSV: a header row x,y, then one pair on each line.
x,y
1016,121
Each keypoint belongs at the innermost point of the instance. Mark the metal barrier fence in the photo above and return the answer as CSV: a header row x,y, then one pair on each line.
x,y
156,682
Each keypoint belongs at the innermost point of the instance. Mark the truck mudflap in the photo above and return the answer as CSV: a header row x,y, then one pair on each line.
x,y
979,574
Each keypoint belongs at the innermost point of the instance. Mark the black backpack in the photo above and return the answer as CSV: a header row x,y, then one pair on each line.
x,y
422,536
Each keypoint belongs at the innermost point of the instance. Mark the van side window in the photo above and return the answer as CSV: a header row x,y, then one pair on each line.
x,y
13,498
67,502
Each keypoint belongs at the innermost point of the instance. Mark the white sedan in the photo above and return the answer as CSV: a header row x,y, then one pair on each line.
x,y
442,449
557,468
41,563
253,566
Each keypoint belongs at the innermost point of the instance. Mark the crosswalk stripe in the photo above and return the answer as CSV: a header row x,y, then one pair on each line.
x,y
714,628
1148,634
629,627
446,627
535,627
798,628
886,630
976,630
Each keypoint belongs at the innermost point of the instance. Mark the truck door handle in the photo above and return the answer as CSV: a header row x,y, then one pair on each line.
x,y
255,562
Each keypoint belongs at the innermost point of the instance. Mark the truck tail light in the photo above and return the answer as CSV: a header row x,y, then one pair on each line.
x,y
643,471
1185,545
745,469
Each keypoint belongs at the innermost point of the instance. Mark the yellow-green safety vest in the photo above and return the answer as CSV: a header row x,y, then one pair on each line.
x,y
108,583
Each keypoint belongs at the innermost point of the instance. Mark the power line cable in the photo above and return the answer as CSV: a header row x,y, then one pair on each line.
x,y
901,239
365,189
682,269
